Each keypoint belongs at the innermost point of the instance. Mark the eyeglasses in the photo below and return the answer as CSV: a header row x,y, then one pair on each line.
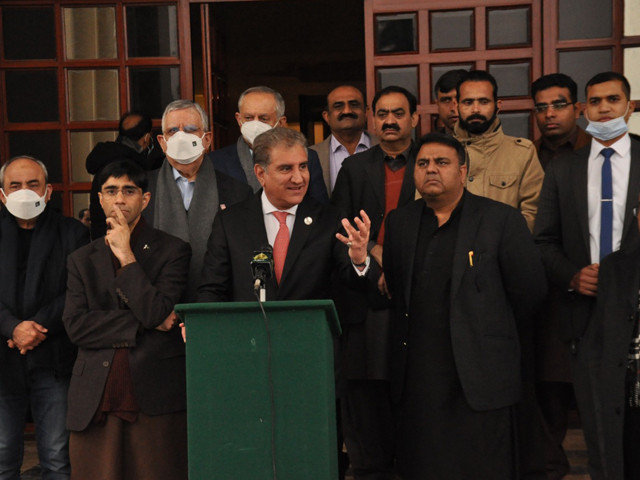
x,y
127,192
542,107
186,129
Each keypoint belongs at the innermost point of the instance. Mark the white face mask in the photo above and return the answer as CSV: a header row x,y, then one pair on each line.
x,y
608,130
251,129
184,147
24,204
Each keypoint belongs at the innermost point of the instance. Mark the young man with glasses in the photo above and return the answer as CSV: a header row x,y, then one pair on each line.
x,y
556,109
127,397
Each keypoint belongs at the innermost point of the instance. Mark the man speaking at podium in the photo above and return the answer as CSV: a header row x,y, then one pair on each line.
x,y
304,234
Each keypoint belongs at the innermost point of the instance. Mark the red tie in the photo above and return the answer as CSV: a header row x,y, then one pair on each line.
x,y
281,244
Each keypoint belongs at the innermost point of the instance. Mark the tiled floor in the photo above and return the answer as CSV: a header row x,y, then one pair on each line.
x,y
573,444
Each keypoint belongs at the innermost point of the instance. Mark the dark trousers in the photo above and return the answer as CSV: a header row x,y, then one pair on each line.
x,y
556,399
368,429
151,448
631,443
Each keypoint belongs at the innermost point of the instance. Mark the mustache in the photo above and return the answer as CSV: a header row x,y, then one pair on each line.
x,y
476,116
392,126
347,115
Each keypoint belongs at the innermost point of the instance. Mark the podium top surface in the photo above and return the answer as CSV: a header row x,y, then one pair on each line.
x,y
185,309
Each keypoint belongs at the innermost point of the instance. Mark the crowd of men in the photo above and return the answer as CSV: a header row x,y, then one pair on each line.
x,y
486,285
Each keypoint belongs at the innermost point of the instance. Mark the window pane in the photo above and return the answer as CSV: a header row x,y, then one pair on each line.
x,y
90,32
584,19
44,146
28,33
513,78
631,23
509,27
396,33
452,30
152,31
438,70
632,69
151,89
583,65
406,77
81,144
93,95
32,95
80,201
516,124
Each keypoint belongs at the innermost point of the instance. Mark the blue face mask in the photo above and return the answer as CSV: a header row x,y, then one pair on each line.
x,y
610,129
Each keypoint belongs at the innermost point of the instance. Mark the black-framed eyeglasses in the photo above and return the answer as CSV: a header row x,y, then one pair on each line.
x,y
128,192
543,107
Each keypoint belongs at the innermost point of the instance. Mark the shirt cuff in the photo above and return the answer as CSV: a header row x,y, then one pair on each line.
x,y
362,273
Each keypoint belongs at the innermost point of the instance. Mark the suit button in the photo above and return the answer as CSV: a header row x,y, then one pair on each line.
x,y
630,318
406,315
404,344
471,178
105,364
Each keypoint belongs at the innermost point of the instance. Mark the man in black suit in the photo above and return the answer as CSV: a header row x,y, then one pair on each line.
x,y
311,229
611,353
261,109
376,181
36,356
466,279
127,398
575,202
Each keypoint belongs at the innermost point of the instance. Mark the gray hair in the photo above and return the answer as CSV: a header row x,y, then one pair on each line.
x,y
20,157
267,141
181,105
263,89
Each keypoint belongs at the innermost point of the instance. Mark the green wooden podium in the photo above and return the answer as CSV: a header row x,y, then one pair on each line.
x,y
228,390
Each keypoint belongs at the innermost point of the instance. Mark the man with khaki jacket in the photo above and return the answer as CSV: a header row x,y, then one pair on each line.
x,y
501,167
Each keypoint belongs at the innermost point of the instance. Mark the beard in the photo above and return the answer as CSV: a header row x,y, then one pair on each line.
x,y
477,128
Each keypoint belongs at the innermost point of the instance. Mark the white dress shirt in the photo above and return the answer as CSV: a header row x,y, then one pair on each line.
x,y
185,186
620,166
272,225
338,152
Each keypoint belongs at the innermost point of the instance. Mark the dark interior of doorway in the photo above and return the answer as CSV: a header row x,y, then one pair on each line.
x,y
302,49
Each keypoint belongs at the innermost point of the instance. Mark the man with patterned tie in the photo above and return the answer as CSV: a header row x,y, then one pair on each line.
x,y
585,213
306,235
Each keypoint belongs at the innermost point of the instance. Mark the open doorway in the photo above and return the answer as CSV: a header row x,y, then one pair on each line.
x,y
301,49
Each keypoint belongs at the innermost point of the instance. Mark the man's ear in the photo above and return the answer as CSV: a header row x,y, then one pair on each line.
x,y
238,119
162,142
498,105
632,107
146,197
414,119
325,116
282,122
48,192
259,171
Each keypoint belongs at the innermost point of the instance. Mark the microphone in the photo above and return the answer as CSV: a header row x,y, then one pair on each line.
x,y
262,266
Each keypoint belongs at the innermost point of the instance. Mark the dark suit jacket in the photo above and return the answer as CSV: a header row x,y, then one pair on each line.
x,y
313,254
54,237
491,303
605,349
360,186
562,233
226,160
105,311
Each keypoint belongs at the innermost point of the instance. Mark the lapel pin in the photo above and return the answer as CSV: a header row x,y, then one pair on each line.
x,y
308,220
146,247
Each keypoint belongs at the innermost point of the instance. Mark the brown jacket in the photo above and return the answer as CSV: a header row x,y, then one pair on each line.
x,y
503,168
